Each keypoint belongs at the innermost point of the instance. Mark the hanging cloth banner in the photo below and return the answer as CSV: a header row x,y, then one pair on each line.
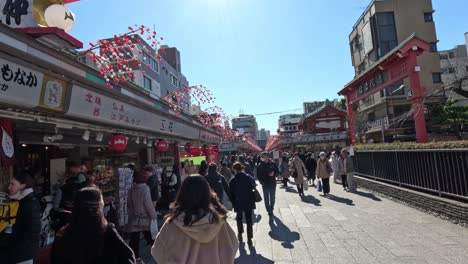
x,y
7,151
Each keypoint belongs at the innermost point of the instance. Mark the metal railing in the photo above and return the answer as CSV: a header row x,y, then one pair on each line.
x,y
439,172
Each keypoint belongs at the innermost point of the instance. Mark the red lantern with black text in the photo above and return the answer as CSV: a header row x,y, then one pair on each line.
x,y
118,142
162,145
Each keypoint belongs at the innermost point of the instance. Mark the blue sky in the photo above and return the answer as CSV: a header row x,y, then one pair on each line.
x,y
256,56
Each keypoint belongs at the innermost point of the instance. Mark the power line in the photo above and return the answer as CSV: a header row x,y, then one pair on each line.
x,y
279,112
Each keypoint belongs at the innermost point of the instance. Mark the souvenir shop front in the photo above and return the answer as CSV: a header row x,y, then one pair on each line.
x,y
54,111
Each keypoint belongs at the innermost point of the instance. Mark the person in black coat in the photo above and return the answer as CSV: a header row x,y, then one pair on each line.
x,y
311,166
217,182
242,188
89,239
23,243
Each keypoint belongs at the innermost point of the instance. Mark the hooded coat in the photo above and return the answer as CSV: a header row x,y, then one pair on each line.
x,y
140,206
202,242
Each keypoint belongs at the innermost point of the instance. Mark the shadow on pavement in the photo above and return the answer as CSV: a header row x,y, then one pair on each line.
x,y
341,200
280,232
368,195
252,258
311,200
291,189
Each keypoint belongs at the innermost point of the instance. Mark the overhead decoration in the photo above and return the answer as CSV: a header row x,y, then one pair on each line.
x,y
53,13
188,147
162,145
7,152
119,56
118,142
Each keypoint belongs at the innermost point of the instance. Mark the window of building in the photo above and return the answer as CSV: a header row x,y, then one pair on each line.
x,y
147,83
451,55
173,80
444,56
428,17
451,70
371,116
466,68
436,77
154,65
433,47
386,37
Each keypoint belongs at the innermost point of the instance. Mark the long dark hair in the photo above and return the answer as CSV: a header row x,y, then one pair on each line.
x,y
196,200
87,227
203,168
212,170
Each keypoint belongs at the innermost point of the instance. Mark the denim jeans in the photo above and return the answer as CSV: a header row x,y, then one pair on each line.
x,y
269,194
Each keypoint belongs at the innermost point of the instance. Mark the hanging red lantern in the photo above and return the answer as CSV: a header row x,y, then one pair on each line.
x,y
162,145
188,147
118,142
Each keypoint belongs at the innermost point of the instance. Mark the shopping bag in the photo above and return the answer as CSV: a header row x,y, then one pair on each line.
x,y
258,197
306,185
154,229
319,186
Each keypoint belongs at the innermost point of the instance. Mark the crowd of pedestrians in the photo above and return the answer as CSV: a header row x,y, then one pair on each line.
x,y
195,228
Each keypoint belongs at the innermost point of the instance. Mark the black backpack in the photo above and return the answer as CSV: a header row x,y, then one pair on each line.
x,y
216,184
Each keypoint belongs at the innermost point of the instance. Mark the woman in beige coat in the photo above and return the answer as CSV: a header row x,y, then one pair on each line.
x,y
140,213
298,168
196,230
323,172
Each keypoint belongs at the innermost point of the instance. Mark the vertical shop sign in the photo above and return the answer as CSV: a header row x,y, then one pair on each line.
x,y
8,149
53,93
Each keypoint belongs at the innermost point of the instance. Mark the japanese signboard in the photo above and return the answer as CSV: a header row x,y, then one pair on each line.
x,y
90,105
17,13
19,85
209,138
53,93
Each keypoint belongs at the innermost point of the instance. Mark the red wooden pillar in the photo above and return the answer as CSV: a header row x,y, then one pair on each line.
x,y
417,101
351,120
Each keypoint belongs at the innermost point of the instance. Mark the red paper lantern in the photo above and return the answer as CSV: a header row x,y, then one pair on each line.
x,y
188,147
162,145
118,142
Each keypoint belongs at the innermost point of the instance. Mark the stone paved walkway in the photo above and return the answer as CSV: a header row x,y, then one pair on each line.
x,y
349,228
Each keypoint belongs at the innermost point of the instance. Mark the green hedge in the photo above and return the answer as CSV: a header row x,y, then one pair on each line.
x,y
412,145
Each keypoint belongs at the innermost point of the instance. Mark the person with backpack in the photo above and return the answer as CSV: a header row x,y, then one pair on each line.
x,y
219,185
153,183
89,238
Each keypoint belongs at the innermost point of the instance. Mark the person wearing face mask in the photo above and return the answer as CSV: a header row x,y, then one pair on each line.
x,y
267,172
323,172
23,243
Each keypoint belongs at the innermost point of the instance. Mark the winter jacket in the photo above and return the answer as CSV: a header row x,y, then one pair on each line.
x,y
227,173
296,165
334,162
248,167
218,184
311,165
154,184
139,206
242,188
24,241
348,165
323,169
201,242
267,172
341,169
285,169
115,250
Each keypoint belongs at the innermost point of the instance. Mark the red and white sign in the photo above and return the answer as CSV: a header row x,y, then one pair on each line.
x,y
162,145
118,142
8,150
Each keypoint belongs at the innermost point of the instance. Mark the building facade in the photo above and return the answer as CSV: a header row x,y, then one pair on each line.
x,y
245,124
289,124
454,65
381,28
